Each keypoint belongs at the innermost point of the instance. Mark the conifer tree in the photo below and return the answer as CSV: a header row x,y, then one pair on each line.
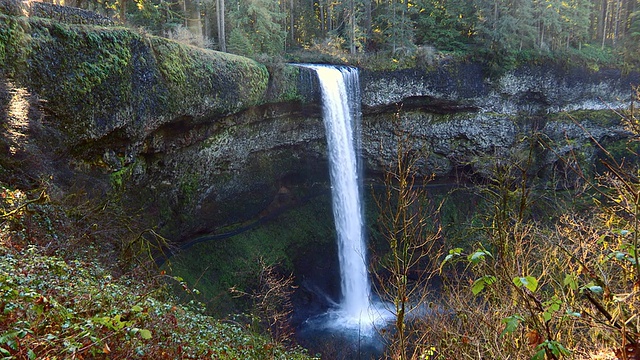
x,y
395,21
446,25
260,22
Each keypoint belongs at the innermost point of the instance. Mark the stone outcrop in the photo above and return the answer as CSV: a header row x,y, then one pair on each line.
x,y
457,86
240,166
201,139
117,104
462,118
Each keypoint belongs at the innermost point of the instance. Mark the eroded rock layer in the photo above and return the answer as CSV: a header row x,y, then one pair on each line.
x,y
199,139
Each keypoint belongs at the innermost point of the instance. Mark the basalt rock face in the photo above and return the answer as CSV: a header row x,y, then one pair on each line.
x,y
169,126
196,176
464,120
460,86
239,171
198,139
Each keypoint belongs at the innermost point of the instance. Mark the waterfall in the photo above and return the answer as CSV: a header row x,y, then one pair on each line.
x,y
341,111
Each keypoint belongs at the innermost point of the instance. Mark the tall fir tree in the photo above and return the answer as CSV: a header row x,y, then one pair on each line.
x,y
259,21
448,25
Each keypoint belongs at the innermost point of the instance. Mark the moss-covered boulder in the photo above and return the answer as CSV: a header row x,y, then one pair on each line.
x,y
100,80
165,124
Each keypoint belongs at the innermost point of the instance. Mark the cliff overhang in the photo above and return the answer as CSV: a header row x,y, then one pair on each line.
x,y
200,139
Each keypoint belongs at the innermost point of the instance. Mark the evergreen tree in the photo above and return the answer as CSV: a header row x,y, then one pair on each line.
x,y
396,24
304,22
448,25
500,28
259,21
634,28
240,44
633,38
576,16
525,25
549,22
353,23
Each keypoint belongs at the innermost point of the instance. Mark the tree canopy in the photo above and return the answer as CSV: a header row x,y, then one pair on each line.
x,y
271,27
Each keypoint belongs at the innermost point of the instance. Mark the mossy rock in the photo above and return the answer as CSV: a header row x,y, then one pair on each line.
x,y
204,79
12,7
99,81
606,117
303,234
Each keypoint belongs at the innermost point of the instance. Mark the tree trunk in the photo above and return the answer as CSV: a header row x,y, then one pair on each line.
x,y
394,23
323,28
292,22
207,22
593,25
222,43
329,17
368,21
123,7
352,27
193,19
602,22
616,23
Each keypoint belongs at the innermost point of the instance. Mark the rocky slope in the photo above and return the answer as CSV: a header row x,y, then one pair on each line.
x,y
198,139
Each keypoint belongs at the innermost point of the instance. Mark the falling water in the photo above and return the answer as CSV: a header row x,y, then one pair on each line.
x,y
341,98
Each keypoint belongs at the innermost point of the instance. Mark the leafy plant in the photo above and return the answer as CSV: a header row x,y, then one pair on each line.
x,y
72,307
602,250
272,307
509,268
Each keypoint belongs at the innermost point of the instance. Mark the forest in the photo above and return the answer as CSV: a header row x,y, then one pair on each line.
x,y
502,30
510,264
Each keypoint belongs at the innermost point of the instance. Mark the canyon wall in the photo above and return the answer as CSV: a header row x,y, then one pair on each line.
x,y
197,140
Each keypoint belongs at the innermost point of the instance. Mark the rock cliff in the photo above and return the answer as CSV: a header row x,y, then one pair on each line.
x,y
463,118
201,139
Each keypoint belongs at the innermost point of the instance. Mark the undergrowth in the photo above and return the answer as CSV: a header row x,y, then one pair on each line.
x,y
535,288
58,300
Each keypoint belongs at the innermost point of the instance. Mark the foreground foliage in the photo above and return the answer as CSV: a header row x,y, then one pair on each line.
x,y
563,282
63,304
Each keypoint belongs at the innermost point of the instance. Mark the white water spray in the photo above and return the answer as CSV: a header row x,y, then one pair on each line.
x,y
341,111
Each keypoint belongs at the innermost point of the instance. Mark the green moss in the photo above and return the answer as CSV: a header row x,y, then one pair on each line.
x,y
100,79
13,43
623,152
111,58
83,72
195,77
189,187
218,265
171,57
119,178
601,117
283,83
446,118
